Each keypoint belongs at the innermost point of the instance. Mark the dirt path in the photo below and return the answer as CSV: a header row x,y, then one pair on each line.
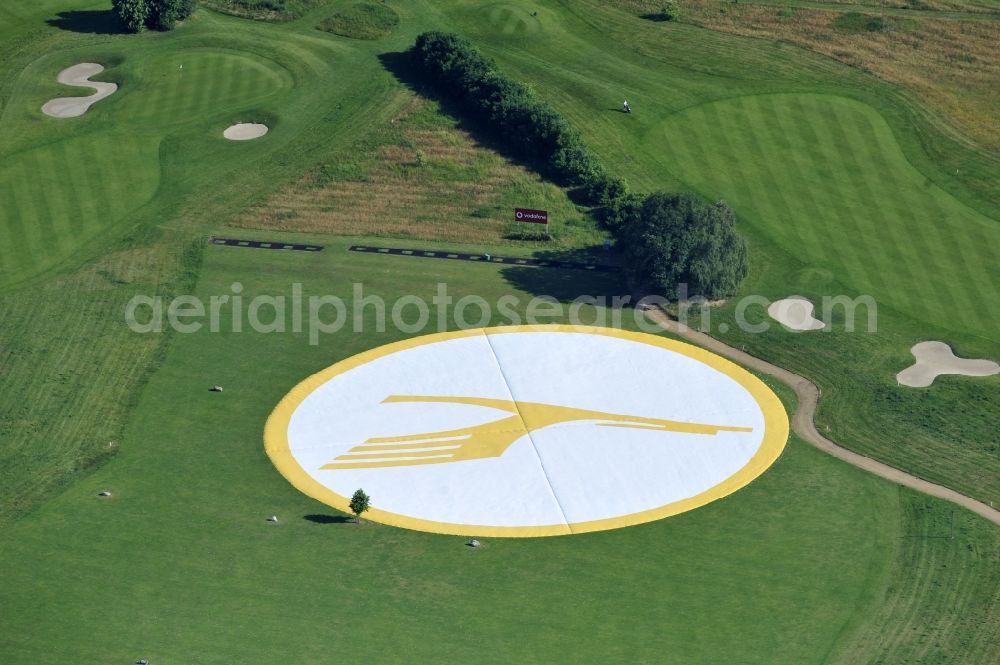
x,y
803,419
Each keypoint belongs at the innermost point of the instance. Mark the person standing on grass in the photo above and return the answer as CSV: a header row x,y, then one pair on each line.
x,y
626,107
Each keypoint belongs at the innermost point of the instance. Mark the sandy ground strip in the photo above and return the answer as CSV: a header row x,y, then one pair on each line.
x,y
803,420
794,312
245,131
79,76
937,358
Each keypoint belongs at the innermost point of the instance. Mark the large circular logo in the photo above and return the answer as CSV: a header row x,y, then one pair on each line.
x,y
527,430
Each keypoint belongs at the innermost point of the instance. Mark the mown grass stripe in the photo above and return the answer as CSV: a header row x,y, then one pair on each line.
x,y
851,220
854,150
784,132
795,199
56,190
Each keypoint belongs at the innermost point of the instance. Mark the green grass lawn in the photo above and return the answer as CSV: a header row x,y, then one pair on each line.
x,y
783,571
824,179
814,562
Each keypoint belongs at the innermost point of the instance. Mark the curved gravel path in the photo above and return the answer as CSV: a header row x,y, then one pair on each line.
x,y
803,419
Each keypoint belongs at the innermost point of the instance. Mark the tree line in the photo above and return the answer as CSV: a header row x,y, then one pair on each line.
x,y
137,15
667,239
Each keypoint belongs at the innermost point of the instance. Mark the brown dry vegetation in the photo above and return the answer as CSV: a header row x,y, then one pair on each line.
x,y
977,6
419,177
953,66
644,7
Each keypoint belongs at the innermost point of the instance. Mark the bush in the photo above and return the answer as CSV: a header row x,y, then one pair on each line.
x,y
532,129
620,212
606,190
669,11
132,13
673,239
165,14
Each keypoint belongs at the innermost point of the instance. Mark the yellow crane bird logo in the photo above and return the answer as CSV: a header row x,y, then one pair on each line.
x,y
492,439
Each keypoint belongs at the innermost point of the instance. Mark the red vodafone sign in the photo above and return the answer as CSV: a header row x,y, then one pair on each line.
x,y
531,216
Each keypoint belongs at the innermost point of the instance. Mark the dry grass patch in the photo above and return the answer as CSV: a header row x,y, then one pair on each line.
x,y
652,7
977,6
954,66
419,177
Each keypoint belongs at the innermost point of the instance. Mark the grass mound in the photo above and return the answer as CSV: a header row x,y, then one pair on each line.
x,y
511,20
362,21
263,10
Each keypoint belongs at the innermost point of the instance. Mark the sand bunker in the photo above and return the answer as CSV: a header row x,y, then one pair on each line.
x,y
794,312
937,358
245,131
79,75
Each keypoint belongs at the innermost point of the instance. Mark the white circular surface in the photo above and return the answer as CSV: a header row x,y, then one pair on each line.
x,y
569,472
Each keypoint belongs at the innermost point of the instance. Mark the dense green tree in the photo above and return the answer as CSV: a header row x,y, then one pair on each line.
x,y
720,260
621,211
673,239
132,13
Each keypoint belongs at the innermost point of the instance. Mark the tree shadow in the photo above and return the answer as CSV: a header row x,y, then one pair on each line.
x,y
593,255
327,519
93,22
565,284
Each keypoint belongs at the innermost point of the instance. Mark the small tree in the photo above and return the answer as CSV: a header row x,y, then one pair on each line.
x,y
359,504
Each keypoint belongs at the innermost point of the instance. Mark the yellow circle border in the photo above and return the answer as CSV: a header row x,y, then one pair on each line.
x,y
775,436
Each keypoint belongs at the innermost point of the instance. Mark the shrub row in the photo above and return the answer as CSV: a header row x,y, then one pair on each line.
x,y
528,126
667,239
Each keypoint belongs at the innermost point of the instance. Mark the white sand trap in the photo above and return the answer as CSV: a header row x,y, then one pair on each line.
x,y
794,312
245,131
527,430
79,75
937,358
